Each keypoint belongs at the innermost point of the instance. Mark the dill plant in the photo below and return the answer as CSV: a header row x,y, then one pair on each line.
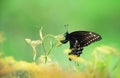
x,y
35,43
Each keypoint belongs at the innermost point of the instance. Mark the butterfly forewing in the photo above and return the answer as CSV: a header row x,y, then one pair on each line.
x,y
84,38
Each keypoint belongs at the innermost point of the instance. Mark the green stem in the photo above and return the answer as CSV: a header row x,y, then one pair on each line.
x,y
52,36
34,54
50,48
44,51
43,47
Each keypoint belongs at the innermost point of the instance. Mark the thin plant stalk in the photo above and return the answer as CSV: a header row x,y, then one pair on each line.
x,y
34,54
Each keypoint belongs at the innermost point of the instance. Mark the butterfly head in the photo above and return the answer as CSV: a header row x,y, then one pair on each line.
x,y
66,38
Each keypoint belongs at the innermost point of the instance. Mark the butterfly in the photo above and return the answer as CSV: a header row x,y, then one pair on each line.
x,y
80,39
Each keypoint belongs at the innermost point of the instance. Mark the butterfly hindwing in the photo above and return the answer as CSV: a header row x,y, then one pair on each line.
x,y
76,48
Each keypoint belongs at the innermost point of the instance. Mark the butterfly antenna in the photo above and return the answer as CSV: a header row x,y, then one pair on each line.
x,y
66,27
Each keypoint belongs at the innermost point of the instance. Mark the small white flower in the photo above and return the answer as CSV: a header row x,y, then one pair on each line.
x,y
60,37
67,51
33,43
28,40
44,59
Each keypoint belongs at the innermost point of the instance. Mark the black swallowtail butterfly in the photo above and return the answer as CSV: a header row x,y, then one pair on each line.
x,y
79,39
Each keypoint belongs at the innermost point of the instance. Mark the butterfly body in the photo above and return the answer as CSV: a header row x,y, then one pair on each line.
x,y
79,39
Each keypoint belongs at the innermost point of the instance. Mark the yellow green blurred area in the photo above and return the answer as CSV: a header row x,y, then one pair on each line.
x,y
21,19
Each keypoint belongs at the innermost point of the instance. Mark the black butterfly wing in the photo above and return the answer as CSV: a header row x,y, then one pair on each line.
x,y
75,47
80,39
83,38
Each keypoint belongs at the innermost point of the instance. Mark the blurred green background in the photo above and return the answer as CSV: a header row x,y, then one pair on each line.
x,y
20,19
